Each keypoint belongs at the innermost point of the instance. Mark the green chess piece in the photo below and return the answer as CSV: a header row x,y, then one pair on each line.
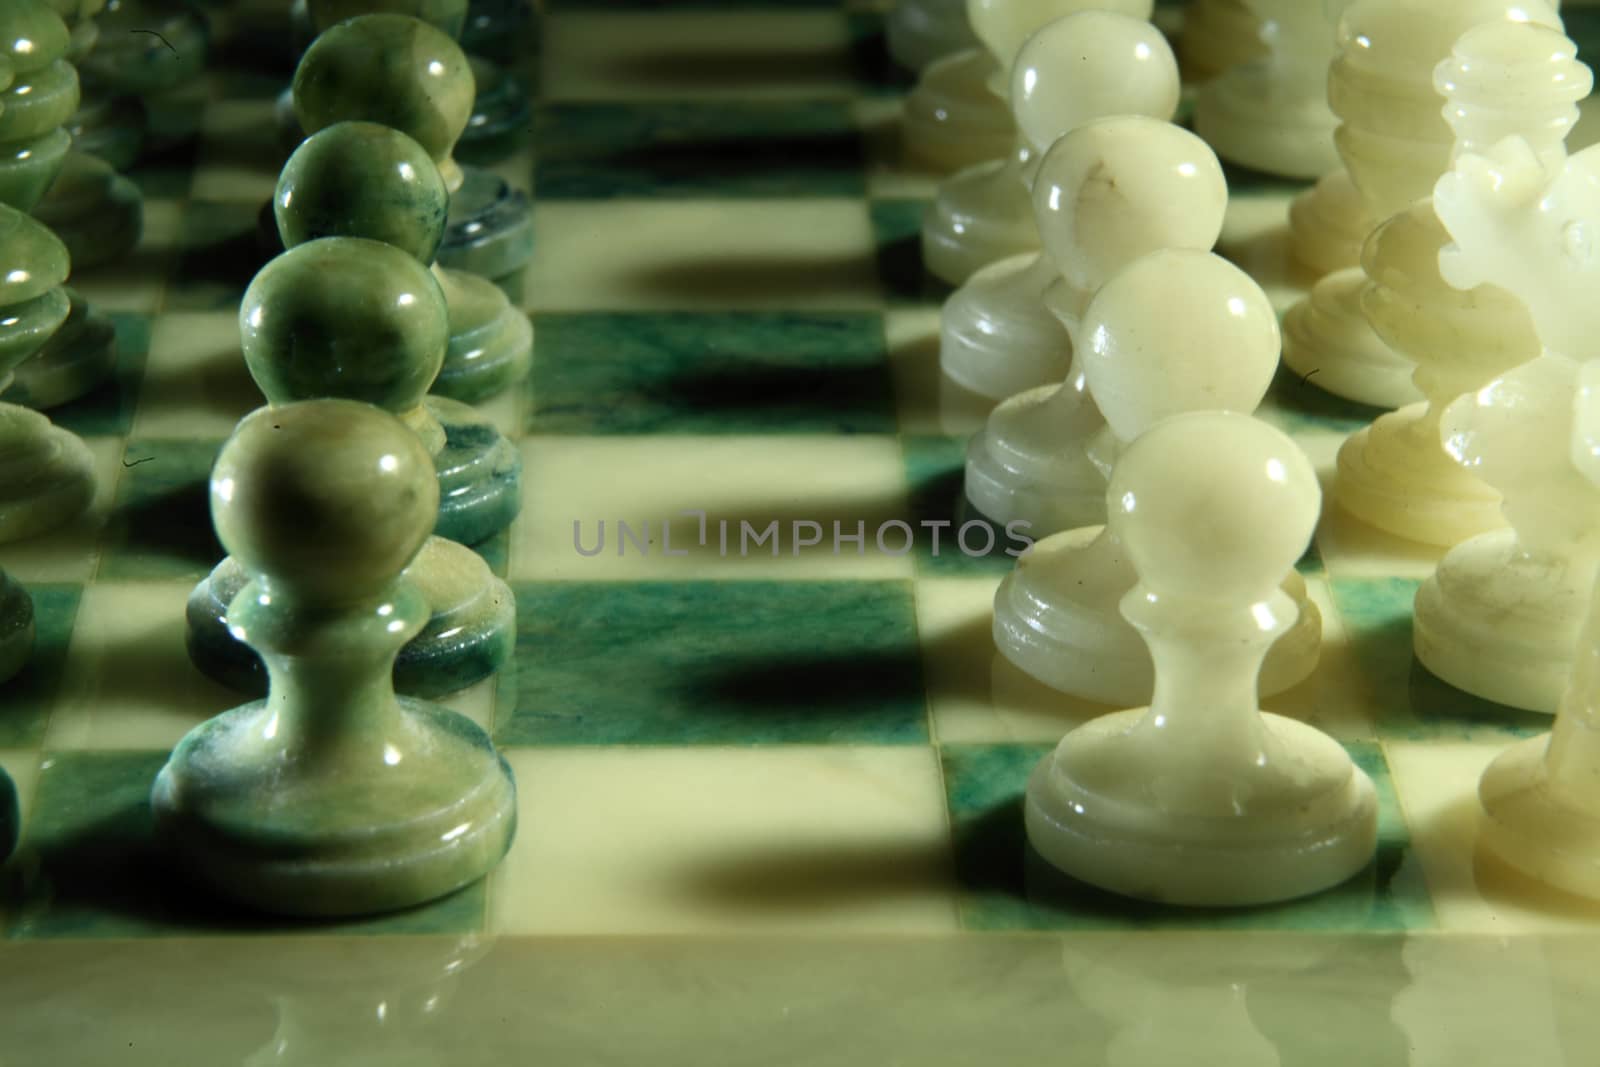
x,y
332,796
41,97
358,319
360,179
155,52
400,72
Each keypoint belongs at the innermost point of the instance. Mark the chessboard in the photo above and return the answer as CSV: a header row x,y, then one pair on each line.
x,y
769,794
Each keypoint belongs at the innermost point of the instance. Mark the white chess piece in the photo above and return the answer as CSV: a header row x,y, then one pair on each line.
x,y
1213,347
1392,140
1107,193
1202,798
1217,36
1081,67
1541,797
1272,113
1501,80
921,31
1500,615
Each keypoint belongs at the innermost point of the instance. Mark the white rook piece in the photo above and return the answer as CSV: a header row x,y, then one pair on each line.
x,y
1500,615
1212,347
1202,798
1085,66
1501,80
1107,193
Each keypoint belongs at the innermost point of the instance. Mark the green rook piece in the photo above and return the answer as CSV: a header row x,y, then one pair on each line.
x,y
332,796
397,71
360,179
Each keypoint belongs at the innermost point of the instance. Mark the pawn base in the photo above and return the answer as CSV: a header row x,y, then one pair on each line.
x,y
97,213
331,840
46,474
491,343
1129,845
471,630
952,119
1328,341
1501,623
480,474
76,360
982,214
1217,36
490,230
1051,484
16,629
1082,644
1327,225
1395,476
996,337
1529,827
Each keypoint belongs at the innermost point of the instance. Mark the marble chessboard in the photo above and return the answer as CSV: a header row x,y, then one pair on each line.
x,y
770,802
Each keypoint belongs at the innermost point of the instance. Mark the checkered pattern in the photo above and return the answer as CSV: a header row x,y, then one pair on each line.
x,y
730,319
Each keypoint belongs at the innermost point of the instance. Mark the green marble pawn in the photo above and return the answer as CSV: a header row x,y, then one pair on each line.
x,y
154,53
332,796
359,179
397,71
358,319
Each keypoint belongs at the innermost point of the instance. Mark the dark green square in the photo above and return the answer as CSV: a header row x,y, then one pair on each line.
x,y
1408,700
1295,405
220,250
876,70
107,410
730,663
594,151
1008,886
160,524
102,874
26,699
167,174
952,539
716,373
687,5
897,238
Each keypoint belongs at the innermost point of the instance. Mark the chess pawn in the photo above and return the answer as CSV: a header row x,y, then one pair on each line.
x,y
1541,797
1081,67
1500,615
396,71
1107,193
332,796
46,473
41,95
1202,798
1218,35
1272,113
156,52
359,179
1395,142
1501,80
363,320
921,31
1214,347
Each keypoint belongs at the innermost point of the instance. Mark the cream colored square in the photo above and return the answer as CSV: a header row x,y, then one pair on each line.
x,y
975,694
652,483
1438,786
1349,547
128,682
137,282
665,55
239,152
704,255
726,840
926,402
196,384
71,552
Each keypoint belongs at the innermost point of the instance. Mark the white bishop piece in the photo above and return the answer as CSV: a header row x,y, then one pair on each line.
x,y
1082,67
1214,347
1202,798
1501,80
1107,193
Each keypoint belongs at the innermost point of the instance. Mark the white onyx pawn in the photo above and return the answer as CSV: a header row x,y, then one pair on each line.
x,y
1501,80
1081,67
1217,36
920,31
1500,615
1201,798
1214,347
1107,193
1272,113
1541,797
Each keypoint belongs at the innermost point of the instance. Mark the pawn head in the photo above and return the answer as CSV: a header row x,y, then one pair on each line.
x,y
327,499
344,317
393,70
359,179
1178,330
1213,506
1089,66
1002,25
32,35
1118,188
449,16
